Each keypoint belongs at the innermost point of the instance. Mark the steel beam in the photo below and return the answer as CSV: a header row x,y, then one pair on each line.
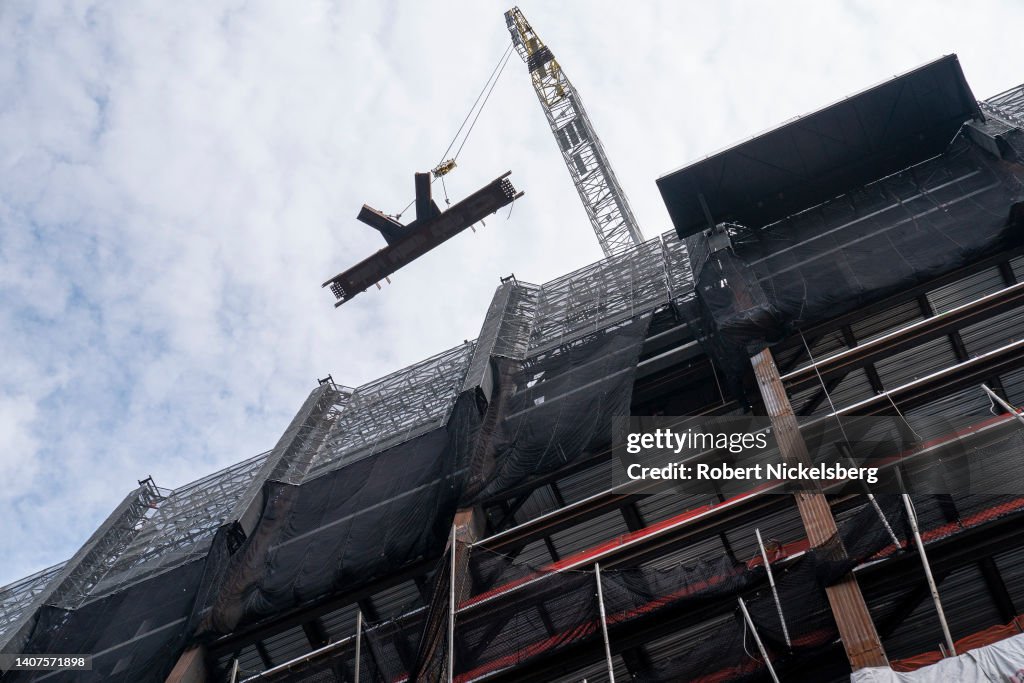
x,y
428,231
910,336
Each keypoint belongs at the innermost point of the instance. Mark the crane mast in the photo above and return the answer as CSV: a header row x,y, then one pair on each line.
x,y
602,196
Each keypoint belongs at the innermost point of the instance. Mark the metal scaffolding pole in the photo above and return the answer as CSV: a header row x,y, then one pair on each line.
x,y
912,516
775,591
359,641
604,623
757,639
451,614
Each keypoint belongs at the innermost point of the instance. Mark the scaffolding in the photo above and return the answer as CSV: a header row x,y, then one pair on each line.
x,y
18,596
1008,105
179,526
630,283
394,409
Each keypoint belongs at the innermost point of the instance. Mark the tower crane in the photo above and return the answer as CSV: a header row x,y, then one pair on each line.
x,y
599,189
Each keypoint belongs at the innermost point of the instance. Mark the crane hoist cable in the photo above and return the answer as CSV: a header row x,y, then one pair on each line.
x,y
446,165
488,88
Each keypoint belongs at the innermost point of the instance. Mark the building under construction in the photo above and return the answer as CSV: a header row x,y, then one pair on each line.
x,y
456,519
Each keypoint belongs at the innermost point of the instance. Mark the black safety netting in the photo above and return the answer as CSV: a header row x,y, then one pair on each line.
x,y
804,609
410,646
725,649
133,634
379,513
863,532
342,529
492,570
732,316
720,653
642,592
544,612
530,611
861,247
542,616
557,406
383,652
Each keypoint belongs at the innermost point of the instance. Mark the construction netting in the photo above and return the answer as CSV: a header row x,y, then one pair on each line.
x,y
556,406
755,287
341,529
134,634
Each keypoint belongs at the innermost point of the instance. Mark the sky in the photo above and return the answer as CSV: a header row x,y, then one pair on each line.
x,y
178,179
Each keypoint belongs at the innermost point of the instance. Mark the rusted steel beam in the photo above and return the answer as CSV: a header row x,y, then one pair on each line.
x,y
407,243
912,335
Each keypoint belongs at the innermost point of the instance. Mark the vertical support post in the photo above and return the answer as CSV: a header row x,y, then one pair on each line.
x,y
775,591
604,623
912,516
359,642
757,639
451,613
856,629
234,671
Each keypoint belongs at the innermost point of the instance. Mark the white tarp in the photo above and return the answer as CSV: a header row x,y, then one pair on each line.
x,y
1001,662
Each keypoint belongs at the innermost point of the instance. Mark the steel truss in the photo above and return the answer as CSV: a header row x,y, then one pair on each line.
x,y
615,289
395,408
1008,105
16,597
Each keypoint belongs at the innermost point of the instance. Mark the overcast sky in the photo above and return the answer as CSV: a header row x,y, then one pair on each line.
x,y
178,178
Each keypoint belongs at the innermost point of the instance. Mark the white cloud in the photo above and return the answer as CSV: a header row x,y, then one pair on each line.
x,y
177,179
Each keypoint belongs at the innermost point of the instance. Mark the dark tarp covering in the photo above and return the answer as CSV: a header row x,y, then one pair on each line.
x,y
342,529
859,248
557,406
134,634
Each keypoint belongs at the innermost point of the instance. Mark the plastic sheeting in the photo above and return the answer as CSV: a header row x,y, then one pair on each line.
x,y
1000,662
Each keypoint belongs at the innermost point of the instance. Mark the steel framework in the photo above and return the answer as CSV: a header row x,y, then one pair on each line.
x,y
617,288
1008,105
602,196
395,408
16,597
153,530
179,526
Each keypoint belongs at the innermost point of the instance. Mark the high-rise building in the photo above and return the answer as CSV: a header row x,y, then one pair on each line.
x,y
459,518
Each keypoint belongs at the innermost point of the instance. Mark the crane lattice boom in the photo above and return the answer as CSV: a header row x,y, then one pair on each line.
x,y
584,156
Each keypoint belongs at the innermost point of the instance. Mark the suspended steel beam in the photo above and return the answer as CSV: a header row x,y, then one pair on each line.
x,y
406,243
